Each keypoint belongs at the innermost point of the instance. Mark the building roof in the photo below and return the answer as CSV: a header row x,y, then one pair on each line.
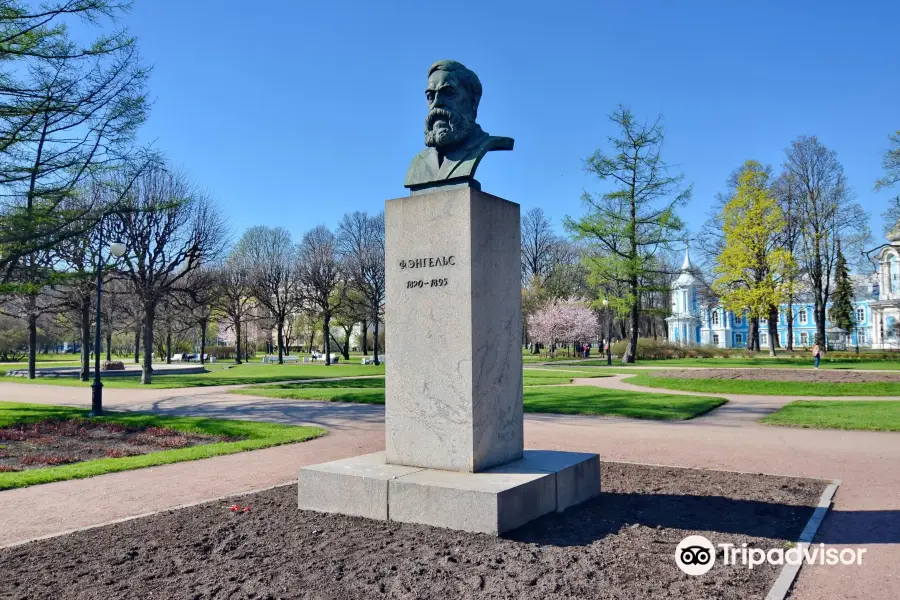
x,y
687,277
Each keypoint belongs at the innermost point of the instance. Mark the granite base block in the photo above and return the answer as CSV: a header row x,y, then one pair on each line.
x,y
355,486
493,501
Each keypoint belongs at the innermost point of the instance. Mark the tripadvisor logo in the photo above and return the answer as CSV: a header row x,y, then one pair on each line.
x,y
696,555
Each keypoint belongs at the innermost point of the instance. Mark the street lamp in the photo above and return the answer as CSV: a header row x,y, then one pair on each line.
x,y
608,332
117,249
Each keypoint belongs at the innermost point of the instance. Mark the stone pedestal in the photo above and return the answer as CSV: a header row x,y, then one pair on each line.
x,y
453,326
492,501
453,416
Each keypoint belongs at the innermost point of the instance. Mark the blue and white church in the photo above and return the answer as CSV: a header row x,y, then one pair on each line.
x,y
876,311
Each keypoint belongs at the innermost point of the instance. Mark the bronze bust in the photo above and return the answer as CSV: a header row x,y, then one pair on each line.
x,y
455,142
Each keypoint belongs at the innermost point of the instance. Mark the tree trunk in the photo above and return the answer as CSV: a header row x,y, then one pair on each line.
x,y
789,317
375,342
137,342
109,345
347,333
821,338
281,341
326,329
85,341
365,337
631,349
773,329
169,345
32,345
237,346
203,325
752,332
149,315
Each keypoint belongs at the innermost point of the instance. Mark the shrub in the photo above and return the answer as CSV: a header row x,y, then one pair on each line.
x,y
113,365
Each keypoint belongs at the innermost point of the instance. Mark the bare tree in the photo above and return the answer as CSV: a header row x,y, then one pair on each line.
x,y
539,244
891,164
234,299
827,213
28,298
197,295
170,230
360,247
788,193
322,279
271,257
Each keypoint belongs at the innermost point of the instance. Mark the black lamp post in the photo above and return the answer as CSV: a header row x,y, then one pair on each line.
x,y
118,250
608,333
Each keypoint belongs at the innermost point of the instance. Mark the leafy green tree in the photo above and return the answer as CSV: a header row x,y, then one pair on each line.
x,y
842,313
627,226
752,267
66,113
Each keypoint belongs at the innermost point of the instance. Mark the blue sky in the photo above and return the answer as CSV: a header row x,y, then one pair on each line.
x,y
293,113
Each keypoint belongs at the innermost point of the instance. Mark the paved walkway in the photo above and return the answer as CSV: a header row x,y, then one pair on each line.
x,y
866,512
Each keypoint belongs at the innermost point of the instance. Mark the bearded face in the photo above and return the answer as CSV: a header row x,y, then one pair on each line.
x,y
447,128
451,111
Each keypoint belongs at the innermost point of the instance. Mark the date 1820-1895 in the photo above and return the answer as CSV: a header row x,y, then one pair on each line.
x,y
424,283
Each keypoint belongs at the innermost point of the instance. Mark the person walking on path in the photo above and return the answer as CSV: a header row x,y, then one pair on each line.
x,y
816,354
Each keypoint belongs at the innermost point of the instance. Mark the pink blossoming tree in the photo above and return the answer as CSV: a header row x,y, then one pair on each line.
x,y
563,322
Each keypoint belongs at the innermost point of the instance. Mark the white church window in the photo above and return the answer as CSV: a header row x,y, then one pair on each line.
x,y
716,339
764,339
860,315
804,338
715,318
737,319
738,338
803,317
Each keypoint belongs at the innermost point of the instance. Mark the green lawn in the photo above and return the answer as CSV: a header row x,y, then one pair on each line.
x,y
880,415
585,400
804,362
569,400
767,388
256,435
556,376
221,374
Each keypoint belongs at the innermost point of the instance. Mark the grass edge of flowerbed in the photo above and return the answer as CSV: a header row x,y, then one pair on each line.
x,y
791,415
267,437
761,387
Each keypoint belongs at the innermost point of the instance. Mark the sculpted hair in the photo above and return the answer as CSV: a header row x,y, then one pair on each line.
x,y
468,79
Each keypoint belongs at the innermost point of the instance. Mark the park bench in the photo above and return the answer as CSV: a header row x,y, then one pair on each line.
x,y
274,359
370,360
177,358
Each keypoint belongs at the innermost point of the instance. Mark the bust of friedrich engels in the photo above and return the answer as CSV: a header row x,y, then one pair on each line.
x,y
455,142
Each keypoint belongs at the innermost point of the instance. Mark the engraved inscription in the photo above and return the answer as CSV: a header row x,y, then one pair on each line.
x,y
424,283
429,261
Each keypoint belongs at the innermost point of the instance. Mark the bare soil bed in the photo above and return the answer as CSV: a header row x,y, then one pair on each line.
x,y
65,441
801,375
619,546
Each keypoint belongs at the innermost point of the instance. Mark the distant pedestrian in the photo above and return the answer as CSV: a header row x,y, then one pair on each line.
x,y
816,354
